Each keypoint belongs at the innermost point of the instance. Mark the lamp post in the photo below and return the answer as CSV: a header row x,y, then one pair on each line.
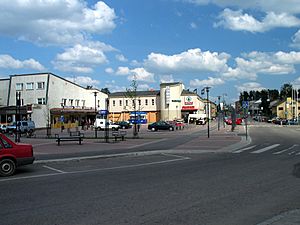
x,y
219,109
207,106
95,94
107,121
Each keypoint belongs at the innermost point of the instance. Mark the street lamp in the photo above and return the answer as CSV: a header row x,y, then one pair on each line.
x,y
95,94
207,106
219,109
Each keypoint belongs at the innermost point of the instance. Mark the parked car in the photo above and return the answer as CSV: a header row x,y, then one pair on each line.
x,y
160,125
281,121
293,122
124,124
238,121
3,128
102,124
200,121
24,126
13,155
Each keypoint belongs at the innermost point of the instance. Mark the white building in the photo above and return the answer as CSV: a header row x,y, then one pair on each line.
x,y
49,99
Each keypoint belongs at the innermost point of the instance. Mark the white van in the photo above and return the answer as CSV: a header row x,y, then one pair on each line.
x,y
100,124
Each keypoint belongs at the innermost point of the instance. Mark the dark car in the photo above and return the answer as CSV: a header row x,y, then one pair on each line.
x,y
13,155
124,124
160,125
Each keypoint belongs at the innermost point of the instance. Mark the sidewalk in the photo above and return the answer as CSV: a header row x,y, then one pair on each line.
x,y
220,141
287,218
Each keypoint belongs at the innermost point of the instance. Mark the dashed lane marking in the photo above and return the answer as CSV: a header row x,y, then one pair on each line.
x,y
244,149
56,170
265,149
285,150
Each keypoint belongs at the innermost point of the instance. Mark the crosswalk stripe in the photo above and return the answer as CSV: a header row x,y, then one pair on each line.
x,y
244,149
265,149
285,150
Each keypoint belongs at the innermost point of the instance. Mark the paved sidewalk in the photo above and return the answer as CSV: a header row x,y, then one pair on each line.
x,y
223,140
287,218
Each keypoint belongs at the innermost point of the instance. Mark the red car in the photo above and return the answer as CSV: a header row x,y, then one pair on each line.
x,y
13,155
238,121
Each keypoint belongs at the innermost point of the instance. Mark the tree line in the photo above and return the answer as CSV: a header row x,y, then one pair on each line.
x,y
269,95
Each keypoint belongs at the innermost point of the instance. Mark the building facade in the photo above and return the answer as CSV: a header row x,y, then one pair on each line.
x,y
48,99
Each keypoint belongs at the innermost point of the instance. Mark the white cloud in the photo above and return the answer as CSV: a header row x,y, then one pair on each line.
x,y
82,58
109,70
49,22
140,74
143,87
279,6
121,58
236,20
193,25
8,62
296,40
211,81
84,81
254,63
249,86
166,79
296,83
191,60
123,70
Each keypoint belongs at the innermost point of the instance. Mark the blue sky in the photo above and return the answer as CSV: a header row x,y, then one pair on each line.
x,y
228,45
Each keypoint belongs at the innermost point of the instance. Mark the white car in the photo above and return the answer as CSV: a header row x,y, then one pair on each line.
x,y
3,128
102,124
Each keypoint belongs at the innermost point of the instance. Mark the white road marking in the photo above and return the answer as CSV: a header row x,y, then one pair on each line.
x,y
56,170
244,149
265,149
276,153
177,156
94,170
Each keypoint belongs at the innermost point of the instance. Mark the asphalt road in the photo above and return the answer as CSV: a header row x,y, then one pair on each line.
x,y
241,188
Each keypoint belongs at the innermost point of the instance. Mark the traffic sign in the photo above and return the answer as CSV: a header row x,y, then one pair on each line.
x,y
245,104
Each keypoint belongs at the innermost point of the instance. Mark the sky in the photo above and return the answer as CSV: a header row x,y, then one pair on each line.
x,y
228,45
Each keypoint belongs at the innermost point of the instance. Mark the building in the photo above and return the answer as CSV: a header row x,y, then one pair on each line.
x,y
121,105
48,99
286,109
171,102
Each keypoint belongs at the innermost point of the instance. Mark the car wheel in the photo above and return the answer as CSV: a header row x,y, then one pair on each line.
x,y
171,128
123,127
153,129
7,167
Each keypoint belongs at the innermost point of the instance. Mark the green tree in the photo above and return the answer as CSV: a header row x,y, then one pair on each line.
x,y
105,90
286,91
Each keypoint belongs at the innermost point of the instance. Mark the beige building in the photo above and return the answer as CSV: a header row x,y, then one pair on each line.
x,y
171,102
121,106
287,109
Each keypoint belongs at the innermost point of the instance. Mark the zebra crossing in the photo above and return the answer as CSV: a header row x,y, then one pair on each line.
x,y
274,149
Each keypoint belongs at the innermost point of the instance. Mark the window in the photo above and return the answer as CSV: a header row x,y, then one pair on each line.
x,y
77,102
64,102
83,103
140,102
153,101
29,86
41,101
120,102
19,86
114,102
126,102
280,108
40,85
71,102
146,101
5,143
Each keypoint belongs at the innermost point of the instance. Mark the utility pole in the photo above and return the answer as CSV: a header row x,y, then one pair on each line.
x,y
95,94
207,106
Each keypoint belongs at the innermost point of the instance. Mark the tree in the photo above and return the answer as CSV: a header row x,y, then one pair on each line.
x,y
286,91
132,94
105,90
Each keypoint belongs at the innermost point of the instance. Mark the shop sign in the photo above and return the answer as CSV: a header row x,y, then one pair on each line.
x,y
188,107
168,95
188,101
176,100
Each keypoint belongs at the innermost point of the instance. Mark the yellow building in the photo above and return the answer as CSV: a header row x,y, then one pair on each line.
x,y
287,109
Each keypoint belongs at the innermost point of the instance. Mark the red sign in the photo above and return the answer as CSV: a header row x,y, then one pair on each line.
x,y
188,107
